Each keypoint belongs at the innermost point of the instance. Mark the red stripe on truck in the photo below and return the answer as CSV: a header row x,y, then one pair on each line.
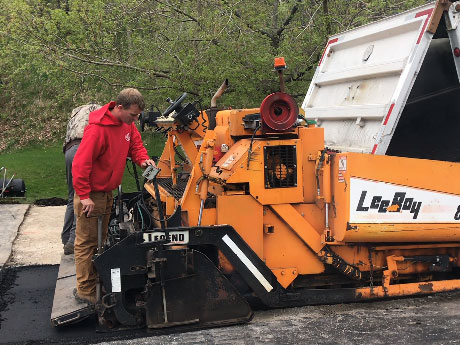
x,y
325,49
426,13
389,113
374,149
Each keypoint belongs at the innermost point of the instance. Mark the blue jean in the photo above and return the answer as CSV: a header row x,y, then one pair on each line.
x,y
70,221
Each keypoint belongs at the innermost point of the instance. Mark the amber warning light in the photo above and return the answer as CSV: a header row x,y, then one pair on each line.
x,y
280,63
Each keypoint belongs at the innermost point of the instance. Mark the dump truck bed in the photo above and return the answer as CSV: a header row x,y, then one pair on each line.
x,y
389,88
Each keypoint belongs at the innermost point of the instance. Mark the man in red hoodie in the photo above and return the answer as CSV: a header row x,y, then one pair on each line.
x,y
110,137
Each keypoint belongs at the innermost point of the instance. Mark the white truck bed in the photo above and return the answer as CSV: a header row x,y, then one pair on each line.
x,y
365,78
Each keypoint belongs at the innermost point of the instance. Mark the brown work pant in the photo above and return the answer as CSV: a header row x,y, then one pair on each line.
x,y
86,239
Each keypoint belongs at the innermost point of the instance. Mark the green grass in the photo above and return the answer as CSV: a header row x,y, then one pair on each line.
x,y
43,168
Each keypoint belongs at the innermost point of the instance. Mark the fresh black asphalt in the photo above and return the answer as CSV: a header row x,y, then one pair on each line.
x,y
26,295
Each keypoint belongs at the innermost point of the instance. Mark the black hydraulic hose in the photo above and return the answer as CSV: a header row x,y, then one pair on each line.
x,y
141,204
300,116
181,157
203,124
160,207
252,141
136,177
341,265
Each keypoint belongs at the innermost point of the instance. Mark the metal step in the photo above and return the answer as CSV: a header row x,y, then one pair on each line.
x,y
66,310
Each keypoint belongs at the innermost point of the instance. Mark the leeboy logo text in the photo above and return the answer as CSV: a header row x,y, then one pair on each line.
x,y
400,203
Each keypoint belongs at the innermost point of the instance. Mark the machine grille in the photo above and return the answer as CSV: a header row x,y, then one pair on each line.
x,y
280,166
176,191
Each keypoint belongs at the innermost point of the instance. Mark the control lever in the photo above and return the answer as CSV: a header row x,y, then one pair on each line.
x,y
150,174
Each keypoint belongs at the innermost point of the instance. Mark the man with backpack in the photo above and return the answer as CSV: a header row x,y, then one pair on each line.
x,y
75,127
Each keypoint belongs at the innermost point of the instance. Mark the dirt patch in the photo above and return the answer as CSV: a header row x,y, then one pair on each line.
x,y
51,202
12,200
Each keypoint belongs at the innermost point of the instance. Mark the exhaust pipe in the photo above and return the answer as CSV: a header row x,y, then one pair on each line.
x,y
213,110
219,93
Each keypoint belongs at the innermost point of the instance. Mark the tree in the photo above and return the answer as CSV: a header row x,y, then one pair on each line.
x,y
60,53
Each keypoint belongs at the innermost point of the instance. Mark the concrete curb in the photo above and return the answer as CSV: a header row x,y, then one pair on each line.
x,y
11,219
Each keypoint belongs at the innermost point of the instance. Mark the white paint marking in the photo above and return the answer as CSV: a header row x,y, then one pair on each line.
x,y
228,241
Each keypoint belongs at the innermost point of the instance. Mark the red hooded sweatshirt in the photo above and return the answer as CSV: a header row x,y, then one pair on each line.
x,y
99,163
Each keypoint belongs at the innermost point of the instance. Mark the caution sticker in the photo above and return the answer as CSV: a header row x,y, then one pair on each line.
x,y
342,168
116,279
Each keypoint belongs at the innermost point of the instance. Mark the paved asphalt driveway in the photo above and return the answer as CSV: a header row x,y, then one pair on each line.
x,y
27,288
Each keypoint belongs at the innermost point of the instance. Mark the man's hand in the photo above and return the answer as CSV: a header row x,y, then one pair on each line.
x,y
88,206
147,162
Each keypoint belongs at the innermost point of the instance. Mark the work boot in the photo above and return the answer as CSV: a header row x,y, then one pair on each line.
x,y
68,248
84,299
